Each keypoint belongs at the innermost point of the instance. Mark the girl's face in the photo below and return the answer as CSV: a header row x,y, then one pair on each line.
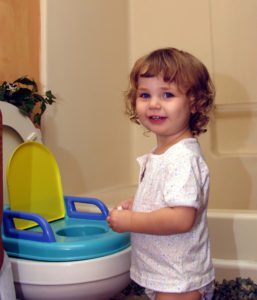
x,y
163,109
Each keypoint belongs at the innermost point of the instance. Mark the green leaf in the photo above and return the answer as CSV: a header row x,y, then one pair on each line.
x,y
26,81
2,92
50,97
43,107
37,119
38,98
27,106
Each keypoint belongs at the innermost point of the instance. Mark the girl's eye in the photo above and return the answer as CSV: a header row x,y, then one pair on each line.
x,y
144,95
167,95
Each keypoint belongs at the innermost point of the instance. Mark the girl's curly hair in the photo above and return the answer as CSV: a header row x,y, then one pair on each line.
x,y
187,72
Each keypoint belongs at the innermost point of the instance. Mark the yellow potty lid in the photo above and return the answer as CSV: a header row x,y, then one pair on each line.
x,y
34,183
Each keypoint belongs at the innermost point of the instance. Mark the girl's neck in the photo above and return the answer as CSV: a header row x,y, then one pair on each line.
x,y
165,144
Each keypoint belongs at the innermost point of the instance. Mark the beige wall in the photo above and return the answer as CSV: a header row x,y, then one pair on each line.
x,y
86,47
232,143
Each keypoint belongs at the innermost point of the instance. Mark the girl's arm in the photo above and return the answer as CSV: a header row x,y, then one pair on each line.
x,y
164,221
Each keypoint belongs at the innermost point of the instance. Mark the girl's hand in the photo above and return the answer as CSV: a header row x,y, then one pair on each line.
x,y
127,204
120,220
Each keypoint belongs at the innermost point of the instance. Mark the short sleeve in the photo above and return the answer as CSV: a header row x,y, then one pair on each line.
x,y
183,182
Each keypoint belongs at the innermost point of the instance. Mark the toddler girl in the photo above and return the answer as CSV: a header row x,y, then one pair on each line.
x,y
171,95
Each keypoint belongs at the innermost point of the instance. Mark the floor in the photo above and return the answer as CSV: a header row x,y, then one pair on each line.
x,y
132,292
236,289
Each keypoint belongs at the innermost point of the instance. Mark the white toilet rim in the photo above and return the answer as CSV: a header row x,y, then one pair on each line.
x,y
20,123
74,272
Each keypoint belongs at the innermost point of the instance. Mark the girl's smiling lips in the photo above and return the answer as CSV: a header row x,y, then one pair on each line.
x,y
157,119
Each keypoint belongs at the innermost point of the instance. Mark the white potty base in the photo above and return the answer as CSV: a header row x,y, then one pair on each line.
x,y
101,290
95,279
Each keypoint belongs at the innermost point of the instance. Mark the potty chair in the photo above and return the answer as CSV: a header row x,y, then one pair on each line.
x,y
58,252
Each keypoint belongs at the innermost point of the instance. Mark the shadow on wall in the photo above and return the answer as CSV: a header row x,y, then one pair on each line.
x,y
71,169
232,149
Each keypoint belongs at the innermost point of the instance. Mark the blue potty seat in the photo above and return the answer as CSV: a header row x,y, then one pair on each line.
x,y
42,224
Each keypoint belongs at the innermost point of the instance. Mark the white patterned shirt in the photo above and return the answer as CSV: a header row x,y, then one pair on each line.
x,y
179,262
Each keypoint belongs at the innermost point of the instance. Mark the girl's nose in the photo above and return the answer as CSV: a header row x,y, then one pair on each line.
x,y
154,103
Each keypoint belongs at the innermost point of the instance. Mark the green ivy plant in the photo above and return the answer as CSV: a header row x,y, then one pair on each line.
x,y
23,93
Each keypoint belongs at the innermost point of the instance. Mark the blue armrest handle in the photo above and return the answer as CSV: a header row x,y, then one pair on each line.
x,y
46,235
73,213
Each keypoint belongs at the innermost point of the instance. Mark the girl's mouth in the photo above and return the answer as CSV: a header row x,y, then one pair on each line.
x,y
157,119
